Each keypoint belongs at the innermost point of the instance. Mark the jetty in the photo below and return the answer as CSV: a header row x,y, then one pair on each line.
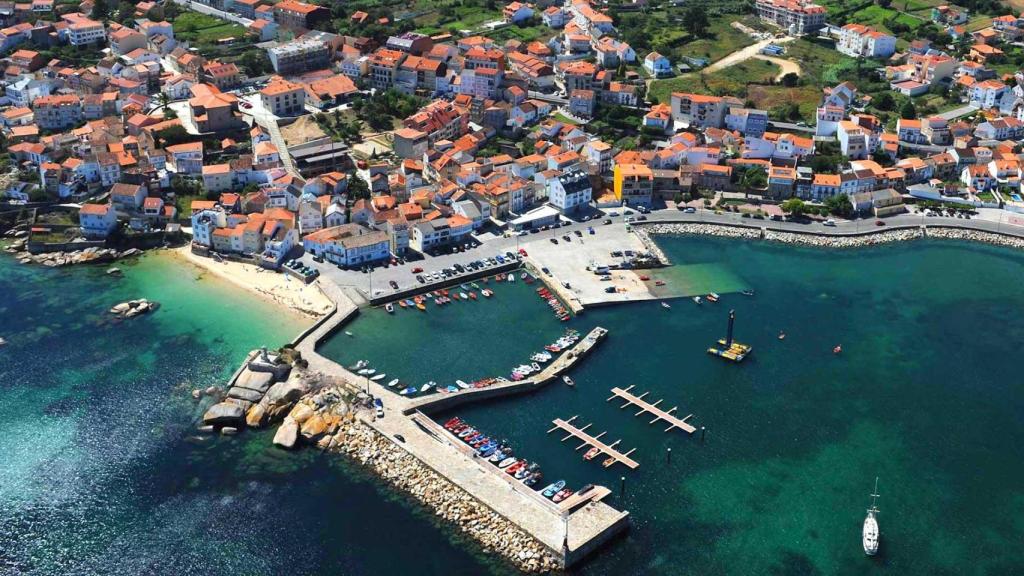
x,y
594,442
557,367
646,407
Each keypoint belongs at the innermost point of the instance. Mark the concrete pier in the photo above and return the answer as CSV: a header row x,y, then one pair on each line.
x,y
589,522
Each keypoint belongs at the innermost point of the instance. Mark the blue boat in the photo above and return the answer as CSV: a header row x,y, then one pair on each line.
x,y
552,489
407,391
410,303
453,388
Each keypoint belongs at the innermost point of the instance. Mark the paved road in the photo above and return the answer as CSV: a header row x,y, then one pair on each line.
x,y
955,113
988,220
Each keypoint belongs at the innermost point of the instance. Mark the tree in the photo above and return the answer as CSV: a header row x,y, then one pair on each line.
x,y
885,101
695,21
100,10
791,79
839,205
908,111
794,207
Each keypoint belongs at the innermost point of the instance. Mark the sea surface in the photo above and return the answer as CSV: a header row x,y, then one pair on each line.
x,y
101,473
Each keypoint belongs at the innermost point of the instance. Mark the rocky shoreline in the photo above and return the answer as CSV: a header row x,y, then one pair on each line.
x,y
449,502
810,239
94,255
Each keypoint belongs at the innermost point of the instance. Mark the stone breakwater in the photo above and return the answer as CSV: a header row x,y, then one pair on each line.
x,y
726,231
976,236
449,502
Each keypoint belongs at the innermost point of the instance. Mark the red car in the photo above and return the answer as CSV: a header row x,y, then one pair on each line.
x,y
879,223
245,105
417,270
523,252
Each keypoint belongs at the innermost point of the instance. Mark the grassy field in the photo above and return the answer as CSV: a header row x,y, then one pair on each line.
x,y
820,65
768,98
723,40
731,81
876,17
196,27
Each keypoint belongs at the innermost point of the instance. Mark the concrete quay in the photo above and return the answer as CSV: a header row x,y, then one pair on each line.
x,y
568,534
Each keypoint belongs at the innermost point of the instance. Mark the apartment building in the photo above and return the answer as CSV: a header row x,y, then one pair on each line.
x,y
300,56
283,98
795,16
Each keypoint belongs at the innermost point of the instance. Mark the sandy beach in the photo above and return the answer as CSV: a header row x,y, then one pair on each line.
x,y
279,288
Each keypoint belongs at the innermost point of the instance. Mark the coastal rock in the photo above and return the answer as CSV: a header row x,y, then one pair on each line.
x,y
197,394
281,396
254,417
212,391
300,413
315,427
224,414
287,434
245,394
258,381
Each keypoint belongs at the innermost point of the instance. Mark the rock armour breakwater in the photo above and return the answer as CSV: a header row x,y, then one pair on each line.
x,y
827,241
449,502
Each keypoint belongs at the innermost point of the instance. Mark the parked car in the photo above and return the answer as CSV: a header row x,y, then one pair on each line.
x,y
554,240
607,221
829,222
421,279
690,210
879,223
394,285
417,270
579,234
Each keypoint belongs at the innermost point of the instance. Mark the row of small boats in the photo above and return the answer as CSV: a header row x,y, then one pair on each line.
x,y
570,337
554,303
524,370
500,454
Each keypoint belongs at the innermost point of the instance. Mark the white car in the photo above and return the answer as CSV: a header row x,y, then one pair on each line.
x,y
829,222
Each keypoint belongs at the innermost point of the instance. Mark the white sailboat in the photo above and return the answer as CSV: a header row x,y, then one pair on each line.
x,y
870,534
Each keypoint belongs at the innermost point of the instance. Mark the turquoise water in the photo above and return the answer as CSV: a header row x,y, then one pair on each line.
x,y
101,474
925,395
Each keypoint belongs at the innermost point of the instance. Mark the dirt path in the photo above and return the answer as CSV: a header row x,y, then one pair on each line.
x,y
786,65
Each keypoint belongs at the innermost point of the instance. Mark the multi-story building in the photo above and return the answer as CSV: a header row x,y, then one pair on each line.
x,y
83,31
213,110
299,56
57,112
569,191
223,76
299,16
858,40
348,244
747,121
440,120
384,67
795,16
283,98
700,111
633,184
97,220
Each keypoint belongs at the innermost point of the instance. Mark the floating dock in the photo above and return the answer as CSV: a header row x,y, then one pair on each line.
x,y
595,442
730,349
659,414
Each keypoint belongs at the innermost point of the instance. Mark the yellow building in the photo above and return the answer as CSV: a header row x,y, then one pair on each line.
x,y
633,184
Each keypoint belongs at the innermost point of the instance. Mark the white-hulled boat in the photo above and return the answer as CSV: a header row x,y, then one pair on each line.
x,y
512,277
696,300
428,386
461,384
870,534
393,383
665,305
568,381
378,377
390,308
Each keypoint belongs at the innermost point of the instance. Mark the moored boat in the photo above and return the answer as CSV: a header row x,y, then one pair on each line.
x,y
390,308
421,307
666,305
408,390
748,292
592,453
562,495
869,535
551,489
696,300
568,381
472,295
506,462
712,297
393,383
378,377
402,303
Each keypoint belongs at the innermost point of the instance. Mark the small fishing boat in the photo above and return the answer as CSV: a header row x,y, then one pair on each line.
x,y
464,287
451,388
562,495
421,307
402,303
474,285
522,472
659,282
463,296
114,272
358,365
393,383
364,372
466,433
533,478
487,293
748,292
409,303
523,276
665,305
568,381
371,371
608,462
408,390
472,295
697,300
511,278
515,467
390,308
591,453
452,423
461,384
349,334
712,297
838,349
869,534
782,335
551,489
506,462
378,377
645,278
428,386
